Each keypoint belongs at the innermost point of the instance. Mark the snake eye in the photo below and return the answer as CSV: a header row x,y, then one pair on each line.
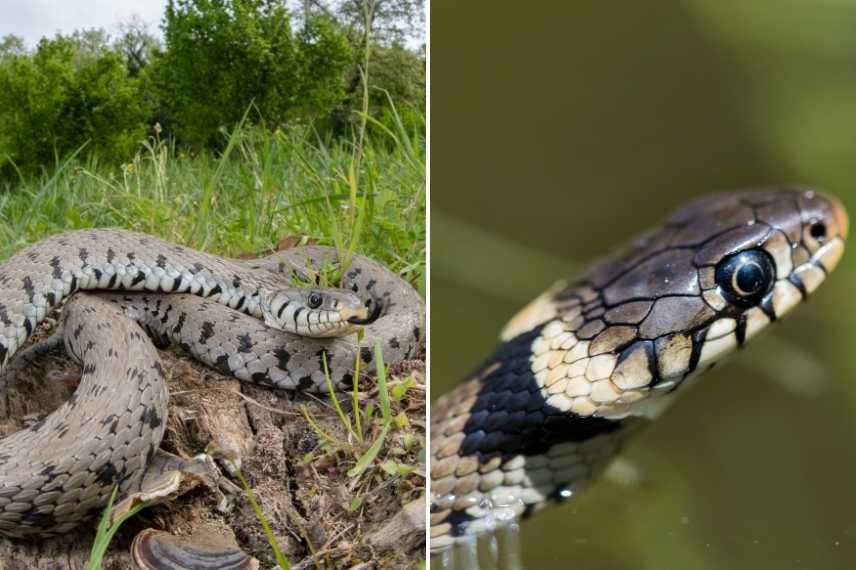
x,y
314,300
745,277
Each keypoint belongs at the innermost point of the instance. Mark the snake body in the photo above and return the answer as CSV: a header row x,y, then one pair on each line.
x,y
592,359
61,470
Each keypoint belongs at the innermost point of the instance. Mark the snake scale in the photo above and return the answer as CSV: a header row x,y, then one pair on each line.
x,y
245,318
592,359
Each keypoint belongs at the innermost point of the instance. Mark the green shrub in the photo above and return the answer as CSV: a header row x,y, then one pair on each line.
x,y
72,91
222,55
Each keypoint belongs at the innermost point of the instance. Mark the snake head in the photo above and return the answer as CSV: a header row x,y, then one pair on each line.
x,y
316,312
686,294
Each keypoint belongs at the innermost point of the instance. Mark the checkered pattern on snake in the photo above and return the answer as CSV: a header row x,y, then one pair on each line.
x,y
62,469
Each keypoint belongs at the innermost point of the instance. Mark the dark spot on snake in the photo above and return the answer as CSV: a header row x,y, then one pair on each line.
x,y
36,518
240,304
62,433
112,281
180,324
304,383
393,342
151,418
89,368
161,261
222,364
260,378
111,255
4,317
72,400
112,420
83,254
216,290
347,379
157,367
416,333
37,425
281,309
236,282
323,359
3,352
56,263
297,313
282,356
29,326
49,472
107,474
28,287
371,284
77,331
138,278
196,268
207,332
459,520
245,343
97,273
354,288
366,355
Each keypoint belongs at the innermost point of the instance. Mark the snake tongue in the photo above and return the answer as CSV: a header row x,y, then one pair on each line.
x,y
367,320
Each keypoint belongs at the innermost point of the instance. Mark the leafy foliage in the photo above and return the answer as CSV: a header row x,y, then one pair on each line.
x,y
98,98
222,55
70,91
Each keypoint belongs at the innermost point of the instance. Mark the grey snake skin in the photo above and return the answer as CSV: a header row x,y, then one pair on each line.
x,y
245,318
595,358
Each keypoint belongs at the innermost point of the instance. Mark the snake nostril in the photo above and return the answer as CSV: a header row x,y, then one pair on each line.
x,y
818,231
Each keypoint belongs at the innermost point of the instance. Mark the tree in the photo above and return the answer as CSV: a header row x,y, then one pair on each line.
x,y
12,46
223,55
137,44
388,21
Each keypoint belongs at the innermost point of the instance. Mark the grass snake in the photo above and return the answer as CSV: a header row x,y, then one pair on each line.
x,y
245,318
594,358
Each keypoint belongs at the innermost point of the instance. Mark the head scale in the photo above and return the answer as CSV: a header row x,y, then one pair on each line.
x,y
684,295
316,312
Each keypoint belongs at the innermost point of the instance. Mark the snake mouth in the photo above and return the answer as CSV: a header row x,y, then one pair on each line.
x,y
372,317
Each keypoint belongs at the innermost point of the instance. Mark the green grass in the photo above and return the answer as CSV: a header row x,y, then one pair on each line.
x,y
363,196
264,187
106,531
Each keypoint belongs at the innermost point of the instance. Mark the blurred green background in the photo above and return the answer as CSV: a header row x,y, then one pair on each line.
x,y
561,129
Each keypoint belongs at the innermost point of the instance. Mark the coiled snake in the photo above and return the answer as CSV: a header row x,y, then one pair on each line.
x,y
591,360
62,469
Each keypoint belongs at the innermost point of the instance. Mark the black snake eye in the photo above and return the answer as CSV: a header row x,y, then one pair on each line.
x,y
818,231
314,300
745,277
